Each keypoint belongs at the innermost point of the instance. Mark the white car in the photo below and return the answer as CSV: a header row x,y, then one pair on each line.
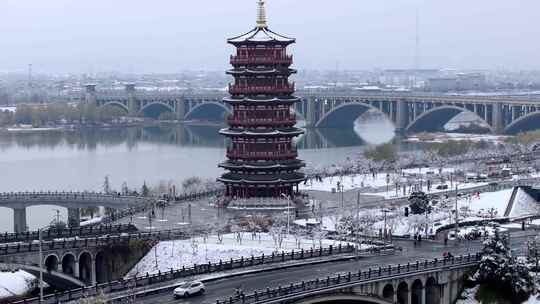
x,y
186,289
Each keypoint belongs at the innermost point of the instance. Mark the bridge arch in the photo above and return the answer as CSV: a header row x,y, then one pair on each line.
x,y
209,111
345,298
51,262
155,108
102,272
416,292
433,291
345,115
403,293
116,104
388,292
68,263
436,118
85,267
525,123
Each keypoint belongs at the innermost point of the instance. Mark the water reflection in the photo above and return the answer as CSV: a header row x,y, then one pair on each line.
x,y
183,135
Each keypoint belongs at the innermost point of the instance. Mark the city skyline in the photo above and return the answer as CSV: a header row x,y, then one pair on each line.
x,y
63,36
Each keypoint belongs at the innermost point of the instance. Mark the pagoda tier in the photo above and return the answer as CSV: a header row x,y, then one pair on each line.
x,y
262,157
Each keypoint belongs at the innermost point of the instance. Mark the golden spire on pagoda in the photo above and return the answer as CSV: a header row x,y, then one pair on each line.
x,y
261,14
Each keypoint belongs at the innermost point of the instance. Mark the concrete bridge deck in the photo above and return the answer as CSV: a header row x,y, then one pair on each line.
x,y
408,111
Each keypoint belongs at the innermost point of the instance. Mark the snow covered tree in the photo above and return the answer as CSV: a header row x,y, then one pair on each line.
x,y
106,185
499,270
125,189
419,202
145,191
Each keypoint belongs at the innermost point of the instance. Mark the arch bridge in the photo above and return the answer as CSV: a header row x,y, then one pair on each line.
x,y
427,282
408,111
19,201
76,261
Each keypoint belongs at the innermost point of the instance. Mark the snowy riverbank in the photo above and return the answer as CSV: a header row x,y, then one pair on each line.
x,y
16,283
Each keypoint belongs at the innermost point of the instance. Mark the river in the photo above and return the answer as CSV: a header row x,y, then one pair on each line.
x,y
80,160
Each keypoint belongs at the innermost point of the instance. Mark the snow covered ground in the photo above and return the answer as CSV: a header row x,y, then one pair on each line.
x,y
175,254
486,204
377,185
355,181
92,221
471,208
399,194
8,109
16,283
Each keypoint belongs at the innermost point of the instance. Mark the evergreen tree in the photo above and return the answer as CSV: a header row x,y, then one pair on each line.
x,y
499,270
145,191
106,185
418,202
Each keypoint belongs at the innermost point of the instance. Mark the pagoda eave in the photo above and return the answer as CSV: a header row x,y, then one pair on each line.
x,y
259,133
248,181
246,71
247,166
250,100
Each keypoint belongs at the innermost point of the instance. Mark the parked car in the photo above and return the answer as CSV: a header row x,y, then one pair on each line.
x,y
188,288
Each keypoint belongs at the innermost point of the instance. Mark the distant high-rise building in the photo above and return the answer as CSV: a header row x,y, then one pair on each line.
x,y
262,158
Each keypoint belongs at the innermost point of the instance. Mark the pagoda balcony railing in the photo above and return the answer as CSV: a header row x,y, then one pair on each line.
x,y
235,60
236,154
238,89
231,120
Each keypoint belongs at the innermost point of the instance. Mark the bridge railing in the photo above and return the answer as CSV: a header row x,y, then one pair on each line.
x,y
66,233
102,240
343,280
131,284
56,196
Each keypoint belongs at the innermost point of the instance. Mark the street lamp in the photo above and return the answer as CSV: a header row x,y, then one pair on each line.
x,y
385,211
288,198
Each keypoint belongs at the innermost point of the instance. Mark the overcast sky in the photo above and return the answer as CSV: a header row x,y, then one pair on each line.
x,y
143,36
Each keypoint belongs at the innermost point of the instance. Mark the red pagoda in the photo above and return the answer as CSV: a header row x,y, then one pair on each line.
x,y
262,158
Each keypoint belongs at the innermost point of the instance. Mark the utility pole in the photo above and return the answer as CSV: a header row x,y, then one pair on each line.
x,y
40,266
416,49
342,196
357,225
456,214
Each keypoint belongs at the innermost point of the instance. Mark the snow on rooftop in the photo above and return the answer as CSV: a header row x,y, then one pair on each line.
x,y
524,204
259,34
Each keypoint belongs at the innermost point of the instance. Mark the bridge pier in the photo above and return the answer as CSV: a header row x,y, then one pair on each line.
x,y
402,117
131,100
312,107
74,218
497,118
90,93
180,109
19,220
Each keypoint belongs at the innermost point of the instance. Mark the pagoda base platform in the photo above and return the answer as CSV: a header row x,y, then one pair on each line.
x,y
263,204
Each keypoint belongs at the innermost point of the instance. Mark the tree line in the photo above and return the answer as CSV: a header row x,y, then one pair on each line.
x,y
61,113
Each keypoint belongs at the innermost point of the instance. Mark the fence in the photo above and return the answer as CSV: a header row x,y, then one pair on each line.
x,y
116,215
174,274
299,289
